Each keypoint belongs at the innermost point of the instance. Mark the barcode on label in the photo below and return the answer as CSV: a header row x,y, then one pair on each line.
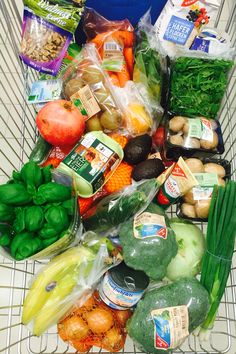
x,y
87,93
110,46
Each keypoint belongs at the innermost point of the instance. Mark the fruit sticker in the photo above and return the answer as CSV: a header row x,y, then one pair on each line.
x,y
149,225
170,327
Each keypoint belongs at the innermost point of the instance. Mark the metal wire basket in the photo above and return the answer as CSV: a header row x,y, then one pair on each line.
x,y
17,137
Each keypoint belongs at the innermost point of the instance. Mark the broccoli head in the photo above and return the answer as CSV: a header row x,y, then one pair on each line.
x,y
186,291
149,254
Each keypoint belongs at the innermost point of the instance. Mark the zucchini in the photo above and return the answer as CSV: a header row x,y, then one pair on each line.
x,y
40,151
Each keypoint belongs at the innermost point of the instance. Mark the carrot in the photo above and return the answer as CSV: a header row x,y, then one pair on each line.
x,y
129,58
124,75
100,39
124,37
114,78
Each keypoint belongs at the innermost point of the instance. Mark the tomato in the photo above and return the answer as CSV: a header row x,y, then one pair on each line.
x,y
162,199
159,136
60,123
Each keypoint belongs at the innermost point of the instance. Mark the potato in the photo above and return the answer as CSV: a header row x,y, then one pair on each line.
x,y
214,168
111,120
188,210
221,182
195,165
192,143
176,124
176,140
210,145
72,86
188,198
202,208
92,75
93,124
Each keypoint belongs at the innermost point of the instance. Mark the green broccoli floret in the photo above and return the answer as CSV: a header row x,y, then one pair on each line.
x,y
186,291
149,254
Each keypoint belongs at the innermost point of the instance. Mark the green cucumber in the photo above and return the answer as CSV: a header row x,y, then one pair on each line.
x,y
40,151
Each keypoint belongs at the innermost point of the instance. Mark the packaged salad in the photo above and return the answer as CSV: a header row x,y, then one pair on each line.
x,y
48,28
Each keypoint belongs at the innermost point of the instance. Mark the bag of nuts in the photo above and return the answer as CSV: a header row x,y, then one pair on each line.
x,y
48,27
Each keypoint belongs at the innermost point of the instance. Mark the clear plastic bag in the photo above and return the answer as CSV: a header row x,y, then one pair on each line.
x,y
66,281
95,324
87,85
150,65
114,41
108,215
46,37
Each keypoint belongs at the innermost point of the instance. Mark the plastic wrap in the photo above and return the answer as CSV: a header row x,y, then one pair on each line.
x,y
150,236
107,216
45,227
46,33
87,85
166,316
66,281
95,324
114,41
195,204
193,136
150,65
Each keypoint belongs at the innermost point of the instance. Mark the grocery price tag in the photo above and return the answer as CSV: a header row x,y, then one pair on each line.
x,y
205,189
43,91
149,225
195,128
86,102
113,59
170,326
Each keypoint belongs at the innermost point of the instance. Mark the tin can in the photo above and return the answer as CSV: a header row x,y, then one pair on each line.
x,y
122,287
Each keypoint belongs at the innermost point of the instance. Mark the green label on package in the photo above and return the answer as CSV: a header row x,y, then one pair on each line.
x,y
200,128
206,179
92,160
65,14
205,189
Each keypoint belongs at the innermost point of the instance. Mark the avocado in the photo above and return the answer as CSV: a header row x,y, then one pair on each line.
x,y
138,149
148,169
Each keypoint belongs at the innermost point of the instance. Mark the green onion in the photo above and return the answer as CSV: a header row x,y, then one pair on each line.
x,y
216,264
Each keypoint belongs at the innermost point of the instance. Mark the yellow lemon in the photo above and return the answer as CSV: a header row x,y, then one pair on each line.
x,y
138,120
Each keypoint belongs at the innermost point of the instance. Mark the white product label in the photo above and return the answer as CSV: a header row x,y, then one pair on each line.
x,y
119,296
149,225
172,188
200,128
170,327
205,189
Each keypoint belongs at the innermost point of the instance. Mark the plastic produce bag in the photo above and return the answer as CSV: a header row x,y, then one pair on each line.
x,y
67,280
166,316
115,209
95,324
150,236
149,65
137,110
87,85
45,217
114,41
47,31
182,20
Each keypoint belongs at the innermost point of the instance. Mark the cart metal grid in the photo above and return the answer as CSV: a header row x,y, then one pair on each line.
x,y
17,137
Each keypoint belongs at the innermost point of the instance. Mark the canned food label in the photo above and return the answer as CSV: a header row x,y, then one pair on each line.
x,y
122,297
86,102
170,326
149,225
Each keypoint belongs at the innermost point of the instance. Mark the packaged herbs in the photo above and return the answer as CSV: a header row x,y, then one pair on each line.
x,y
198,86
48,28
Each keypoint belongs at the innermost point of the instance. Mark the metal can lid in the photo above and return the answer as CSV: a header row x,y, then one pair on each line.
x,y
128,278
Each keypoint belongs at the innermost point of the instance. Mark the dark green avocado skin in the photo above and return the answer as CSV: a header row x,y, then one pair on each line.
x,y
138,149
148,169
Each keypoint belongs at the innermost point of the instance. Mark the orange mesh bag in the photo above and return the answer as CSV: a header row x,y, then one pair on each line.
x,y
120,178
120,139
95,324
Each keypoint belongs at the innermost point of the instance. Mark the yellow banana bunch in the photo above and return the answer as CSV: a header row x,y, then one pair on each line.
x,y
49,296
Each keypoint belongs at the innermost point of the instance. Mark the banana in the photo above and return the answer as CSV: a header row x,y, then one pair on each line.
x,y
50,276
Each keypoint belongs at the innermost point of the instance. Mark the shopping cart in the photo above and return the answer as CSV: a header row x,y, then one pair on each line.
x,y
18,135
